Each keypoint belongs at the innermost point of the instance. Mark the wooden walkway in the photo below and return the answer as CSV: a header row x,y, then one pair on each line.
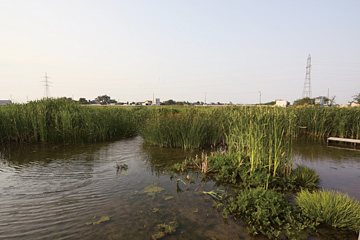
x,y
343,140
349,140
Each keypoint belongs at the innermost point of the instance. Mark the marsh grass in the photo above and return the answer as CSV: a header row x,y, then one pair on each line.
x,y
304,177
190,128
331,208
328,121
61,120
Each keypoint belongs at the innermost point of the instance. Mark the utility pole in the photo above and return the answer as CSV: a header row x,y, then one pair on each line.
x,y
205,98
260,97
307,84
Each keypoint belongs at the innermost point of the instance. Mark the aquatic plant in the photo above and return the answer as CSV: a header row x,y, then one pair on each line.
x,y
165,229
267,212
303,177
152,190
101,220
331,208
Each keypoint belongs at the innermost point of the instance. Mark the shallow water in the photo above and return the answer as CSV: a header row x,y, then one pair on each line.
x,y
339,169
59,191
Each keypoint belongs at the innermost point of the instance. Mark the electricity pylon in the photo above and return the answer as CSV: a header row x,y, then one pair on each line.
x,y
307,84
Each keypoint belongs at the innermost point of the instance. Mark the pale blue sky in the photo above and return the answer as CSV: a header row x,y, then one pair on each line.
x,y
179,49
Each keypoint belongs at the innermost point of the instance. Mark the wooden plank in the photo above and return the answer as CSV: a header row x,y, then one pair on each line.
x,y
343,140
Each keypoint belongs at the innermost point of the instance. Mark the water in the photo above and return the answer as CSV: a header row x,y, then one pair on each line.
x,y
59,191
339,169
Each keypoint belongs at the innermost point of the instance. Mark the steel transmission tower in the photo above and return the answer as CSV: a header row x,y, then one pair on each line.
x,y
307,84
46,85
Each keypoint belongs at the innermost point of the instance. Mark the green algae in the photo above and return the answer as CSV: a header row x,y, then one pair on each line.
x,y
165,229
152,190
101,220
158,235
168,197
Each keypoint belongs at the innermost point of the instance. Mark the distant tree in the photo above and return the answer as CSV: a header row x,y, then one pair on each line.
x,y
83,101
113,101
104,99
356,98
270,103
303,101
331,101
170,102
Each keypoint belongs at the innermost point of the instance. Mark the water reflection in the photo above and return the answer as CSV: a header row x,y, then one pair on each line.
x,y
52,191
339,169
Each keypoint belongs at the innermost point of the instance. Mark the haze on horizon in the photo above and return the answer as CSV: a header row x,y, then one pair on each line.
x,y
179,50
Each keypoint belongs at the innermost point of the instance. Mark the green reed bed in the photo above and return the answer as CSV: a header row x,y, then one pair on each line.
x,y
61,120
189,128
328,121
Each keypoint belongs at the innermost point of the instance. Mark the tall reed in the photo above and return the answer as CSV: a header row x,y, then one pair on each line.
x,y
61,120
190,128
261,133
328,121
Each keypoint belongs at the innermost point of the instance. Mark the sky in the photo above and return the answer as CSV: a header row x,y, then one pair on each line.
x,y
226,51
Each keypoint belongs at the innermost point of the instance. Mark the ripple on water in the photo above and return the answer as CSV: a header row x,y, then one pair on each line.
x,y
53,192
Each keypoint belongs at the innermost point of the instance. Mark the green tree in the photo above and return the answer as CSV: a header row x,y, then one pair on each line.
x,y
170,102
104,99
303,101
83,101
356,98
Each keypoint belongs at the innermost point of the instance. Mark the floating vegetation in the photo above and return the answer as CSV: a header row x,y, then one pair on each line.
x,y
101,220
155,210
213,194
120,167
165,229
196,210
166,198
152,190
158,235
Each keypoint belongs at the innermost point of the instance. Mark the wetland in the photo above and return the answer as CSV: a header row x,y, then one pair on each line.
x,y
53,191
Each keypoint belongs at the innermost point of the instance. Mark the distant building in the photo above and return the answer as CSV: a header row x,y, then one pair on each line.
x,y
282,103
147,103
156,102
320,101
5,102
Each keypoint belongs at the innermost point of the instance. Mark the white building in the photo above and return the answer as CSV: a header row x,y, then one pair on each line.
x,y
156,102
5,102
282,103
